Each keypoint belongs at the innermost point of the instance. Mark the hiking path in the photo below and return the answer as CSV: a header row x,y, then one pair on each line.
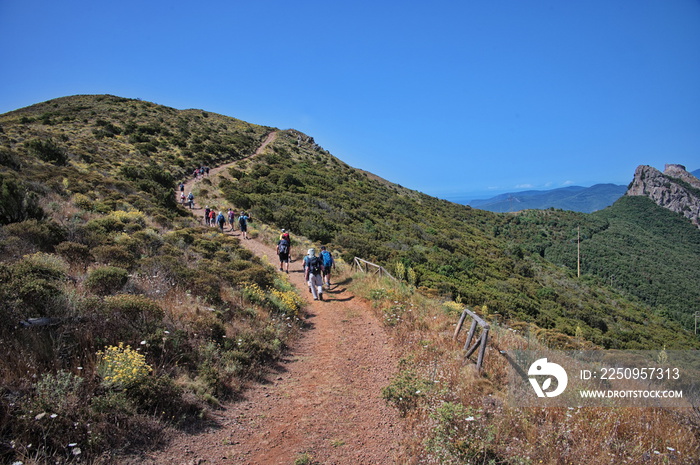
x,y
321,402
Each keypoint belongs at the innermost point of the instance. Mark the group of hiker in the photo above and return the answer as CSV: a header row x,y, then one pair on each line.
x,y
214,219
189,199
200,172
317,269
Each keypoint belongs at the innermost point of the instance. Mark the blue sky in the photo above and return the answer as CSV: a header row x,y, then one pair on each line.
x,y
458,99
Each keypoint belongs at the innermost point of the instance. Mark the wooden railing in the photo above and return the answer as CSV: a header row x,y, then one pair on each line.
x,y
365,266
480,342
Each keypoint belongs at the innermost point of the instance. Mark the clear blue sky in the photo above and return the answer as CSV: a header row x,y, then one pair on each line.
x,y
453,98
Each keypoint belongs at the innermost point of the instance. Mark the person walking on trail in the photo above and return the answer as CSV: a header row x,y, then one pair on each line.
x,y
328,263
206,215
182,198
221,221
231,219
283,247
190,200
212,218
243,224
284,234
313,268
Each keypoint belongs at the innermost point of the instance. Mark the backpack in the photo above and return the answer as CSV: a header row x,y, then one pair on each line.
x,y
314,264
327,259
283,246
242,220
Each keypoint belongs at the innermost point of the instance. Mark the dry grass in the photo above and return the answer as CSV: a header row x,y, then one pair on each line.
x,y
469,418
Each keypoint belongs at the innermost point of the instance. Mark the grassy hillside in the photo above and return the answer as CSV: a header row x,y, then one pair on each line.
x,y
120,314
101,270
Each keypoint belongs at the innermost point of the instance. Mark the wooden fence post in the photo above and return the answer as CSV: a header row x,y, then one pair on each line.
x,y
480,342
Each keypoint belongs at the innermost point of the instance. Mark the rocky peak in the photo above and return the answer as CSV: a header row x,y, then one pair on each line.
x,y
675,189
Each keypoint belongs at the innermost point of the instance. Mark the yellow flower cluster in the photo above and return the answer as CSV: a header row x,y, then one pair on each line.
x,y
454,307
254,292
133,216
122,366
289,299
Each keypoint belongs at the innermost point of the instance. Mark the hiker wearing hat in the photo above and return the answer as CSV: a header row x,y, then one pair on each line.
x,y
284,234
313,267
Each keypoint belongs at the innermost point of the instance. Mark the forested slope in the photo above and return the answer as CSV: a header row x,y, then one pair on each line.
x,y
449,250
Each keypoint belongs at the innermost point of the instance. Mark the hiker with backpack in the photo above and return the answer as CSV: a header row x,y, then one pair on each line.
x,y
221,221
283,247
206,215
284,234
190,200
243,224
328,263
231,219
313,268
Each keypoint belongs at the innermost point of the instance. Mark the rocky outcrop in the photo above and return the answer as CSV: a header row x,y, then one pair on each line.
x,y
675,189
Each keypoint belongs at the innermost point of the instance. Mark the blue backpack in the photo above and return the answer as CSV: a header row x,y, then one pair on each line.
x,y
327,259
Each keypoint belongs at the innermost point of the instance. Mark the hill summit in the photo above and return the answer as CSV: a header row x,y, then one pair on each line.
x,y
675,189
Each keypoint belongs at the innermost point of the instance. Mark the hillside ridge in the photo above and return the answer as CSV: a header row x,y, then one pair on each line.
x,y
574,198
675,189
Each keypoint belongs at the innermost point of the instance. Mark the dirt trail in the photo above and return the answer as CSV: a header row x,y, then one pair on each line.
x,y
322,399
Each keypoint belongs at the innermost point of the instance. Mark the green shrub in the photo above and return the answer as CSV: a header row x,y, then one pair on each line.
x,y
59,393
32,287
42,235
132,316
115,255
406,389
459,436
74,252
17,202
9,159
83,202
47,150
160,395
106,279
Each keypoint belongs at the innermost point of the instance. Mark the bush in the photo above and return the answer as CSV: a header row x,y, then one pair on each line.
x,y
134,316
115,255
121,367
42,235
9,159
406,389
74,252
47,150
83,202
17,203
106,279
58,393
32,286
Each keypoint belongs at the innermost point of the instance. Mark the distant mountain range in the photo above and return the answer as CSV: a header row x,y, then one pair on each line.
x,y
574,198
